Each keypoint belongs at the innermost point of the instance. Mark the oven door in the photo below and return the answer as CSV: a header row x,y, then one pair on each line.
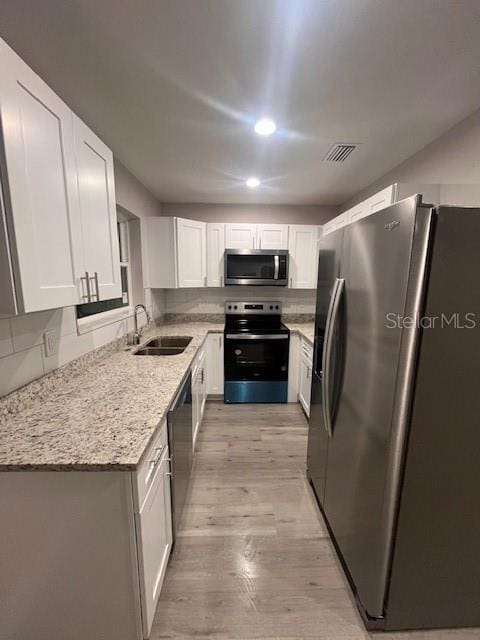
x,y
256,267
256,367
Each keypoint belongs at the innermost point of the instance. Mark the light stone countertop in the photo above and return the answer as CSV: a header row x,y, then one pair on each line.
x,y
103,417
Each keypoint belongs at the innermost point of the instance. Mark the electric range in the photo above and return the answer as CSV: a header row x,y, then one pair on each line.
x,y
256,346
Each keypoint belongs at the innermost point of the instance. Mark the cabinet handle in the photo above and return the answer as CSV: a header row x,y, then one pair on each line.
x,y
88,296
95,280
158,455
291,281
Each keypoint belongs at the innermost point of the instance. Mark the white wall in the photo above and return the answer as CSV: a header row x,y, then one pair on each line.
x,y
22,356
210,300
287,214
132,195
451,159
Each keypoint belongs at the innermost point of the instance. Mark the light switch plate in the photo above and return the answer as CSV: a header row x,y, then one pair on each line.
x,y
50,341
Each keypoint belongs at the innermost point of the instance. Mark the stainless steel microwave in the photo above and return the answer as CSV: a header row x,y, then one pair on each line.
x,y
256,267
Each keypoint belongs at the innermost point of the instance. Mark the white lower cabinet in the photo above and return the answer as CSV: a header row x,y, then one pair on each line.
x,y
305,374
105,536
215,364
154,539
153,522
199,391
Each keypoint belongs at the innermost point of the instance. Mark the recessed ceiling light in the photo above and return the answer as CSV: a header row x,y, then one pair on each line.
x,y
252,182
265,127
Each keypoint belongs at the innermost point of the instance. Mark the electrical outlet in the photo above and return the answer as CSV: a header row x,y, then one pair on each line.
x,y
50,341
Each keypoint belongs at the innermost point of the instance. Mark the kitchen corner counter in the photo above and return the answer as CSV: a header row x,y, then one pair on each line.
x,y
305,329
101,418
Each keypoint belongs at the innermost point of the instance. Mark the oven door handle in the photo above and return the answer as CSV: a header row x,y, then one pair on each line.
x,y
255,336
276,262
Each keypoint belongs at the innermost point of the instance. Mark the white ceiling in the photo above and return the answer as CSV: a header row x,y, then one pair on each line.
x,y
174,86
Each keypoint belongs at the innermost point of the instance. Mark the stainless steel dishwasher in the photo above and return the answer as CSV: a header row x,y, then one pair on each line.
x,y
179,422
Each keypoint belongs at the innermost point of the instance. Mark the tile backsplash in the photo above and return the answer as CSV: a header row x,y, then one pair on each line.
x,y
22,353
212,301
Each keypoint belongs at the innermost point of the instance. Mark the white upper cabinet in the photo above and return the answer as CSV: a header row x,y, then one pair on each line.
x,y
241,236
41,198
303,250
191,253
58,215
159,252
173,253
380,200
272,236
98,212
256,236
337,223
384,198
215,251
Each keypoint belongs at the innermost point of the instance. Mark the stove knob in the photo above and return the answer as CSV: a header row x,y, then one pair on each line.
x,y
235,307
229,306
271,306
276,306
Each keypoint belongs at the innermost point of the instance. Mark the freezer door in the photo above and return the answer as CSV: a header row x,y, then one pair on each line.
x,y
331,248
383,276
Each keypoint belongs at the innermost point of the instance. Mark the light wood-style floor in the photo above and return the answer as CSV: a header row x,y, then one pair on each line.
x,y
253,559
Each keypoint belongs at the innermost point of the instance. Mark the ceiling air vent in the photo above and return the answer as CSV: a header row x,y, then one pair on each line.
x,y
340,152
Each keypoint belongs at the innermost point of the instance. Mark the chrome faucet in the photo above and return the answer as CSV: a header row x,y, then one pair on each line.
x,y
138,332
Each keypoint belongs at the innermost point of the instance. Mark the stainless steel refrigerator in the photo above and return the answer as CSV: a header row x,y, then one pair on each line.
x,y
394,432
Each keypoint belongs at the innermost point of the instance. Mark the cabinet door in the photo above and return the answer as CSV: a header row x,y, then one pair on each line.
x,y
196,413
303,385
241,236
380,200
215,251
303,250
215,364
40,185
98,212
272,236
154,535
358,212
191,253
203,383
305,380
336,223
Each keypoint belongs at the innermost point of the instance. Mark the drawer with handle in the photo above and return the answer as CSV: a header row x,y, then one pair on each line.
x,y
157,451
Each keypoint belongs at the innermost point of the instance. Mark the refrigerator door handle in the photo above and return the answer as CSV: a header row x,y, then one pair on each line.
x,y
327,352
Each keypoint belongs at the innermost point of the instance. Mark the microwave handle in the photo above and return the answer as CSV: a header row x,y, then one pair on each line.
x,y
276,263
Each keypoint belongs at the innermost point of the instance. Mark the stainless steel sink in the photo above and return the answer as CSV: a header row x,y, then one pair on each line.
x,y
164,346
169,341
159,351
